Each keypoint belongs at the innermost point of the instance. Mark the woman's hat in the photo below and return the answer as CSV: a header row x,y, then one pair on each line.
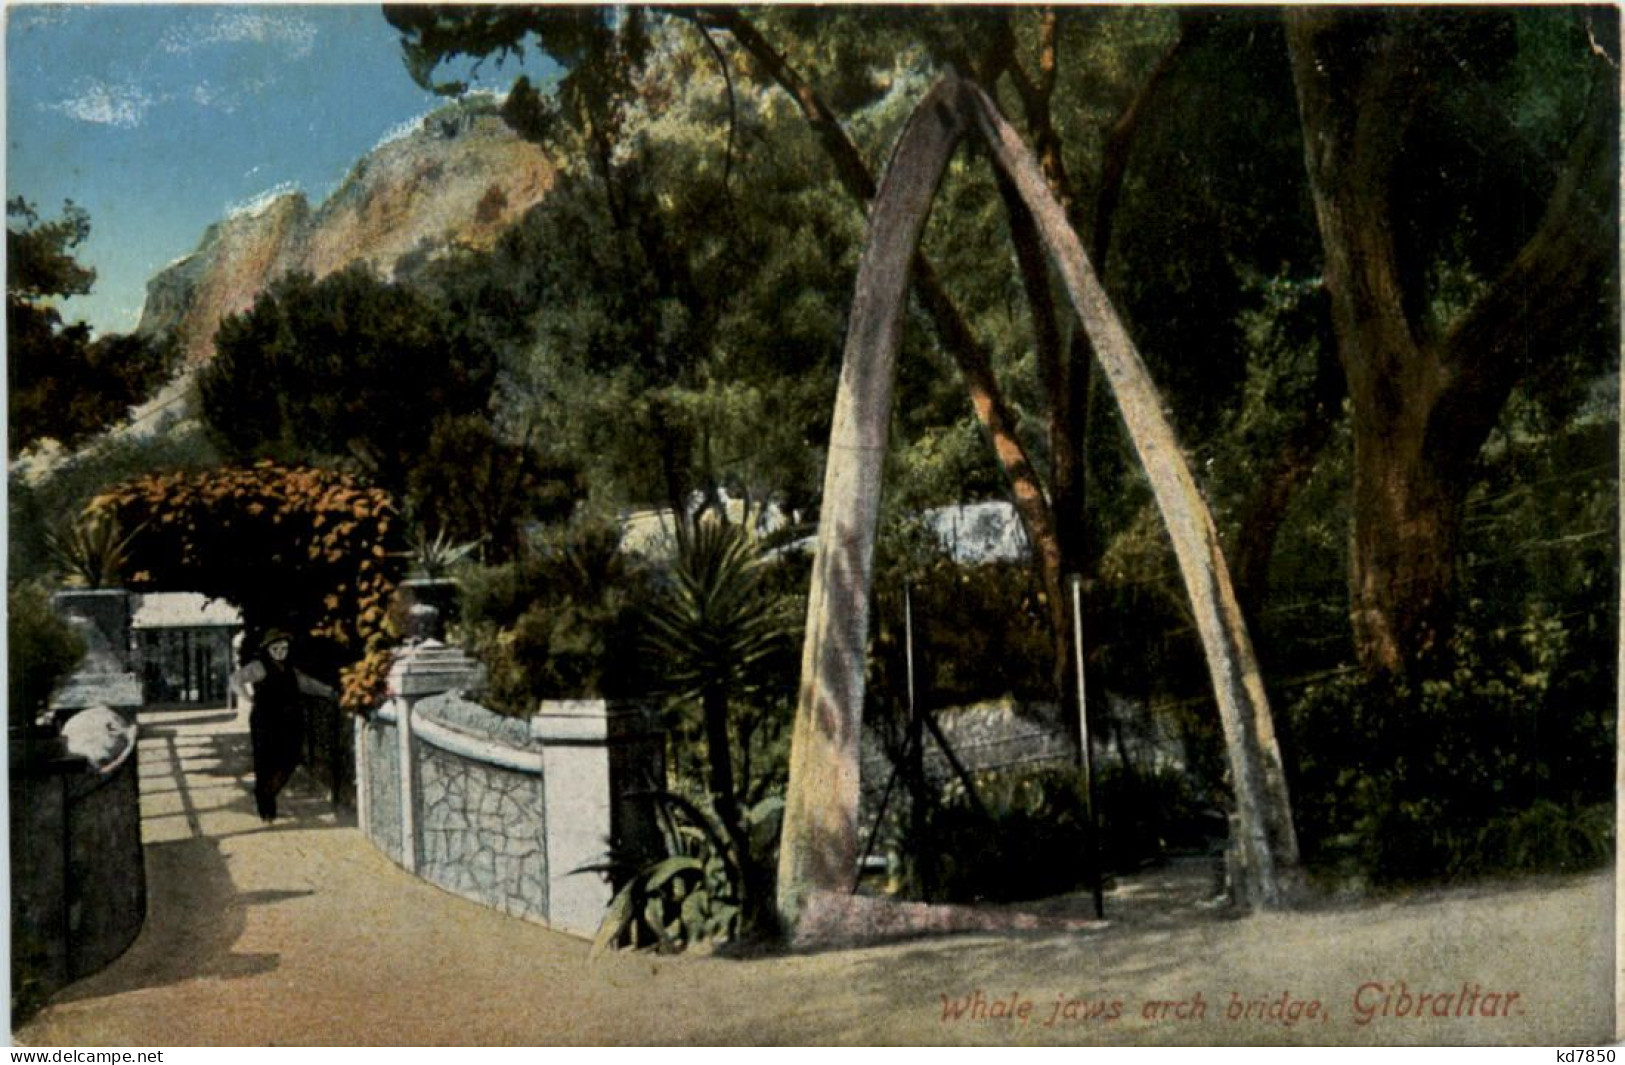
x,y
275,636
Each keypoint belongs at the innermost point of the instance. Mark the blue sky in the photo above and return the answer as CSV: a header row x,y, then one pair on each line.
x,y
159,119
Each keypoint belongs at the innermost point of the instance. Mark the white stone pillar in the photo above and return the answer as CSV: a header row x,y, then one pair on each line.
x,y
574,735
423,669
363,776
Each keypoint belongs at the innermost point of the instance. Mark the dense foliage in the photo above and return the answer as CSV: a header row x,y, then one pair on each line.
x,y
308,550
63,384
1176,139
41,649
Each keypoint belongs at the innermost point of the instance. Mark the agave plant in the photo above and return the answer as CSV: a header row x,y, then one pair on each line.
x,y
717,622
93,550
692,895
433,557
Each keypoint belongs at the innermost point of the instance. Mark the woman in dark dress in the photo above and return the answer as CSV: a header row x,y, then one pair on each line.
x,y
276,722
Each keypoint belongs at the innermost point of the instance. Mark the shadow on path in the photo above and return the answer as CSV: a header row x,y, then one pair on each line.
x,y
195,915
196,799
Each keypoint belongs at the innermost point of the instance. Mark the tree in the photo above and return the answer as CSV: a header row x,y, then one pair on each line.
x,y
64,384
472,485
657,347
1427,379
348,368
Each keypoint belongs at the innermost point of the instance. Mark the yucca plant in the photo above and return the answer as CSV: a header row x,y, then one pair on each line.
x,y
717,622
93,550
716,625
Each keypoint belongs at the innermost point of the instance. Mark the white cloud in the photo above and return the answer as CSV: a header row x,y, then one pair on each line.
x,y
105,103
227,98
41,16
293,33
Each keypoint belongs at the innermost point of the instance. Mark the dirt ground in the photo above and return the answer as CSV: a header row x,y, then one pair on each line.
x,y
302,934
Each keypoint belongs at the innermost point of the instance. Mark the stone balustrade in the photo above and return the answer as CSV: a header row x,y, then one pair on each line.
x,y
502,811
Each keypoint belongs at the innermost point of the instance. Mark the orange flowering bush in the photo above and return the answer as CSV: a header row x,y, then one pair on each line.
x,y
362,684
301,548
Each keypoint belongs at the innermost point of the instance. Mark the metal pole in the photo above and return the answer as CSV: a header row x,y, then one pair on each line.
x,y
910,743
1085,754
913,764
908,645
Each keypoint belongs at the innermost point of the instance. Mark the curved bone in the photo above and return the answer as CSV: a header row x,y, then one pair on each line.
x,y
819,843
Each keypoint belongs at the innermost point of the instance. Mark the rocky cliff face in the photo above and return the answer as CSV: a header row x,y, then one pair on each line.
x,y
457,179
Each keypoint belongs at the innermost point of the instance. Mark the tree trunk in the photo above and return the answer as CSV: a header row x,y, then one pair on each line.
x,y
1406,523
1422,407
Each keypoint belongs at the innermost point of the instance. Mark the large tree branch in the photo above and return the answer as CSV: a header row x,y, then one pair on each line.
x,y
1355,80
1535,297
960,342
1037,95
1119,142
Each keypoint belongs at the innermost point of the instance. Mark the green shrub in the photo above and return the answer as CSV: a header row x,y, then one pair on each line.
x,y
1548,838
1032,842
42,650
563,623
1487,768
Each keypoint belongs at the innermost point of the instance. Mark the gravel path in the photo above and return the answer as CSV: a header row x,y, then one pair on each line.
x,y
302,934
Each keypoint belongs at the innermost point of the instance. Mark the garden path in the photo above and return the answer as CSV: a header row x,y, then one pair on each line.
x,y
301,933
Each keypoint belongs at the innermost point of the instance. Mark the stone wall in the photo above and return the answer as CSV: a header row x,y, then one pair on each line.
x,y
378,783
78,880
499,810
484,833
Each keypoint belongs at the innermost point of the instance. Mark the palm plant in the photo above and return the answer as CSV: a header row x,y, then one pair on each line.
x,y
93,550
715,627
